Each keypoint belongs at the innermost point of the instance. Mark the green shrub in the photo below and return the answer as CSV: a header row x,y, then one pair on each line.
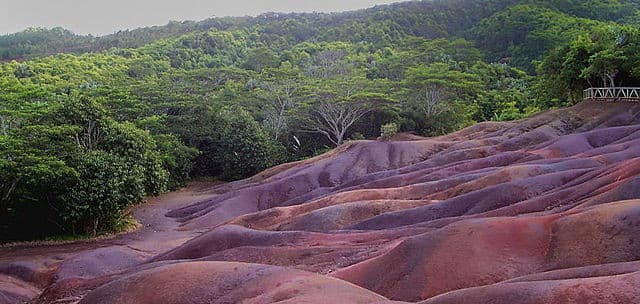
x,y
106,185
387,131
235,146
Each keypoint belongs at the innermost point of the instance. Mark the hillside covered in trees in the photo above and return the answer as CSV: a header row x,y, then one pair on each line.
x,y
91,125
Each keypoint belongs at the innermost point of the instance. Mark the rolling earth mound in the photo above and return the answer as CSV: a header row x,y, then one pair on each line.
x,y
542,210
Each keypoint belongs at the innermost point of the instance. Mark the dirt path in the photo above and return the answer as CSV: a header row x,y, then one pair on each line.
x,y
157,234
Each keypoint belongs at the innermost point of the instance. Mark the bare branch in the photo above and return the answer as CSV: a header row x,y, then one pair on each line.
x,y
281,100
430,100
333,119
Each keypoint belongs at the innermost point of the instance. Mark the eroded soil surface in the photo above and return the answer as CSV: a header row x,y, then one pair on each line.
x,y
543,210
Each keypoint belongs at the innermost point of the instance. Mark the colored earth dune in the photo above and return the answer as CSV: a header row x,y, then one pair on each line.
x,y
543,210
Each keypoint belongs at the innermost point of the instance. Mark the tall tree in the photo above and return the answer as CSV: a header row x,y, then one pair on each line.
x,y
333,119
431,88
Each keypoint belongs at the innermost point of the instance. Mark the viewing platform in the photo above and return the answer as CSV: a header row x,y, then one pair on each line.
x,y
613,94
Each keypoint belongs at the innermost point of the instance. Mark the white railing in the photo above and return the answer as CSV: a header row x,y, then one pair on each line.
x,y
612,94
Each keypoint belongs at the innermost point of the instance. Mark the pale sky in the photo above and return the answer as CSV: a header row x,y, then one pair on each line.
x,y
99,17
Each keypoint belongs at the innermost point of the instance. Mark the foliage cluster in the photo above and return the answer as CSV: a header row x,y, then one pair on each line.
x,y
91,125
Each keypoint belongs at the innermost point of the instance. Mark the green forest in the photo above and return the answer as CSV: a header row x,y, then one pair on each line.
x,y
90,126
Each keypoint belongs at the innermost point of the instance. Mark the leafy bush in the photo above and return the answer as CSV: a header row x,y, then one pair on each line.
x,y
79,170
31,182
237,147
177,159
387,131
138,148
106,185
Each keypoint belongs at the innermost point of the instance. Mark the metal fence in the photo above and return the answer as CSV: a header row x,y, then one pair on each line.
x,y
612,94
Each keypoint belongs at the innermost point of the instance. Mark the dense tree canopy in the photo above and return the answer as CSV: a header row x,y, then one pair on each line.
x,y
91,125
607,56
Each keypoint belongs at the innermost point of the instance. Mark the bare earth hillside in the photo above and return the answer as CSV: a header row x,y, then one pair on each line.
x,y
543,210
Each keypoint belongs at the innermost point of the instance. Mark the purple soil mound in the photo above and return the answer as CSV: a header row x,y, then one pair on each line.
x,y
478,252
599,285
542,210
227,282
99,262
13,290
